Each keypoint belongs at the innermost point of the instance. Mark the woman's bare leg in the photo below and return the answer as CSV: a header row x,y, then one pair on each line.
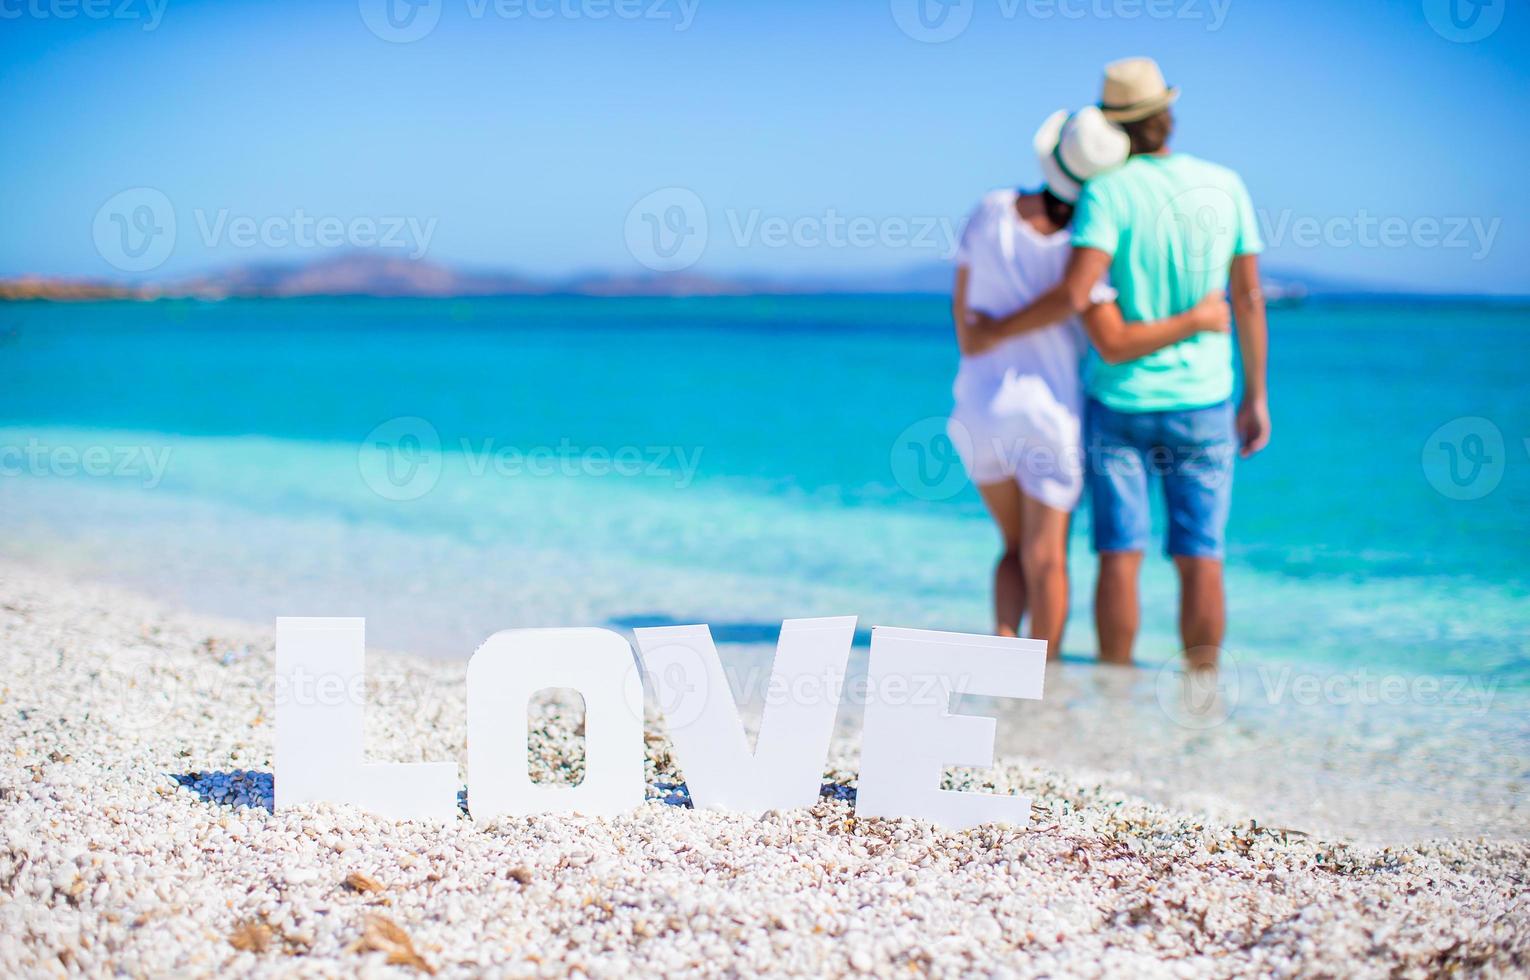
x,y
1004,504
1044,560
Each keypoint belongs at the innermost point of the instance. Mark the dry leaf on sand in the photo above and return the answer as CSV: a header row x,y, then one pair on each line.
x,y
251,937
358,882
381,934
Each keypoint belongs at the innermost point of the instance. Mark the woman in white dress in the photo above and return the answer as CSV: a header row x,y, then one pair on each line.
x,y
1018,391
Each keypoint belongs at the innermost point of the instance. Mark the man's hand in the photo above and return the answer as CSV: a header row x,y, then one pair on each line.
x,y
1213,314
1253,349
1064,300
1253,425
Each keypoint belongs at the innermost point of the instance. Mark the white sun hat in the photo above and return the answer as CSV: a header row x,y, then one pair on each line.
x,y
1074,147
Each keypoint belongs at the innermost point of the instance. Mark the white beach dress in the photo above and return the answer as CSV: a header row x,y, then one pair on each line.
x,y
1018,404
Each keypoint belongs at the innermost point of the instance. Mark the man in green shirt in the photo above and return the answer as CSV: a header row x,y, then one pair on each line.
x,y
1167,229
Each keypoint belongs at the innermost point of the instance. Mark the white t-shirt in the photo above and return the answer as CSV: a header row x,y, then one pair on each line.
x,y
1010,264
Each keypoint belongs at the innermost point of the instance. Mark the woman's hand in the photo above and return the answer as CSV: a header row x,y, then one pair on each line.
x,y
980,322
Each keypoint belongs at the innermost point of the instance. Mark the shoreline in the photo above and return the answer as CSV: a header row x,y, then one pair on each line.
x,y
110,862
1381,774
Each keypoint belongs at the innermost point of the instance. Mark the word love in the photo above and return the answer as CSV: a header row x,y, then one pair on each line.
x,y
907,740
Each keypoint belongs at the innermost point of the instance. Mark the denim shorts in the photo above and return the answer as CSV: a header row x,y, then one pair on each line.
x,y
1190,450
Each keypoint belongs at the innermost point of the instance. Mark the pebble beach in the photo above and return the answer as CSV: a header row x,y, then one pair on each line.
x,y
137,838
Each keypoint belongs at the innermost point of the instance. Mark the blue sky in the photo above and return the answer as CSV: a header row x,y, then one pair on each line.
x,y
522,133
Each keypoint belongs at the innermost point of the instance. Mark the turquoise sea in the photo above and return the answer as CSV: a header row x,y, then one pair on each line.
x,y
450,468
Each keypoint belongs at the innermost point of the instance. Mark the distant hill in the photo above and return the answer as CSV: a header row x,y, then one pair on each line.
x,y
380,274
350,274
383,274
42,287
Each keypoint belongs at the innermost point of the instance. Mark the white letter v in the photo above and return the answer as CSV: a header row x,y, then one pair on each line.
x,y
787,765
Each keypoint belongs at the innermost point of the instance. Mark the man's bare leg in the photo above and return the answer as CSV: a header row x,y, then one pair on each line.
x,y
1044,557
1117,612
1009,591
1202,609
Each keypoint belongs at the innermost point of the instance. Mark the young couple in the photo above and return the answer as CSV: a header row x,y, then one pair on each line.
x,y
1158,242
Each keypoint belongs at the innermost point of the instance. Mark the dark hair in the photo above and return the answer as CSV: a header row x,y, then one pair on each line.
x,y
1059,212
1151,134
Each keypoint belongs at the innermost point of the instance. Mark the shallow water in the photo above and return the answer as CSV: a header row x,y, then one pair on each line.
x,y
447,469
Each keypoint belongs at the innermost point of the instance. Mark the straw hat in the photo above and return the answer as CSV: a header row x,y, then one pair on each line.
x,y
1134,89
1074,148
